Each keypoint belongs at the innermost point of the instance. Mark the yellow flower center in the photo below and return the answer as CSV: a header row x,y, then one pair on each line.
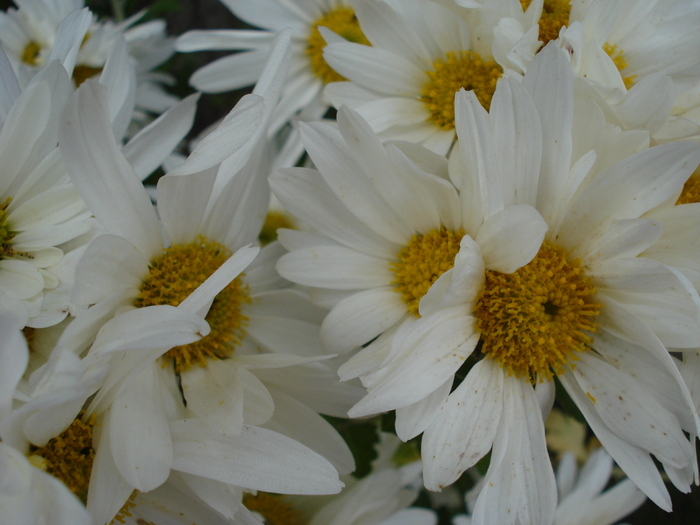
x,y
68,457
342,21
274,221
555,15
464,69
174,276
274,509
618,59
532,321
82,72
30,55
7,251
422,261
691,189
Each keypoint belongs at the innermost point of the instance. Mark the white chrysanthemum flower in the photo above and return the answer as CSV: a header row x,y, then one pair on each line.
x,y
537,276
39,209
198,410
308,72
28,495
32,35
583,498
404,84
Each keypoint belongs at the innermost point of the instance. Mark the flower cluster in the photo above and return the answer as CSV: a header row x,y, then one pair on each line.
x,y
441,250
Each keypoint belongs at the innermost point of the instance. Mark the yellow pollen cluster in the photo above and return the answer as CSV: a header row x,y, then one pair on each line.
x,y
7,251
274,509
69,457
81,73
274,221
342,21
464,69
422,261
30,54
532,321
555,15
125,512
175,275
691,189
618,59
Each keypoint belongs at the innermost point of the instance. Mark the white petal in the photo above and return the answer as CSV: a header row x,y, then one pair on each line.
x,y
182,202
299,422
465,426
110,265
634,461
510,238
149,147
102,175
436,347
360,318
257,459
139,433
629,411
413,419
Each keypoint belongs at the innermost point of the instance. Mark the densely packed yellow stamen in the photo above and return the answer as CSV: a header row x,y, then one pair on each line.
x,y
7,251
555,15
464,69
274,509
175,275
30,54
691,189
618,59
532,321
422,261
82,72
274,221
342,21
69,457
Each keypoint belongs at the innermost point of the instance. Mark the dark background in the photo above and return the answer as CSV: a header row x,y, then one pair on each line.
x,y
182,15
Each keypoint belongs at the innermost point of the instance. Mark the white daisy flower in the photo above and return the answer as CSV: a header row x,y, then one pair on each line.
x,y
404,84
40,211
37,32
308,71
28,495
198,410
583,498
539,273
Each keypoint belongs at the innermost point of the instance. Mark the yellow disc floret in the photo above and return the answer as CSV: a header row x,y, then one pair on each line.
x,y
82,72
422,261
274,509
7,234
618,59
555,15
691,189
342,21
534,321
464,69
30,54
175,275
68,457
274,221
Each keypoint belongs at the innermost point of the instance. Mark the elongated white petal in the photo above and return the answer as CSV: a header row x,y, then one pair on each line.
x,y
139,433
257,459
102,175
149,147
465,426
